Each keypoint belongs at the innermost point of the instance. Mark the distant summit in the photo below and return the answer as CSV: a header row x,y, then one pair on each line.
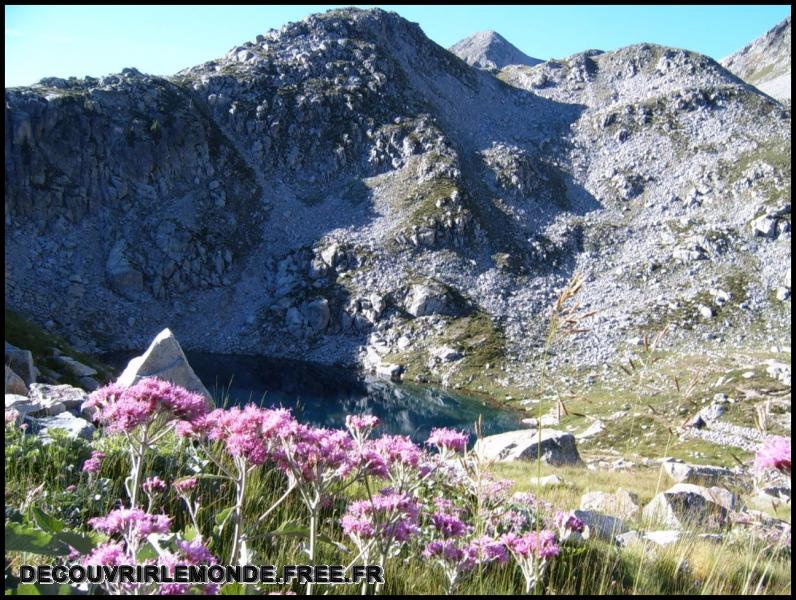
x,y
765,63
489,50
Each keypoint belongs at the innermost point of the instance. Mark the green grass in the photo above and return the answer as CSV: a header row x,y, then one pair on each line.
x,y
26,335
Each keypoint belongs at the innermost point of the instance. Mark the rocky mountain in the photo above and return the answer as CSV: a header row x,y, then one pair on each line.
x,y
765,63
489,50
345,190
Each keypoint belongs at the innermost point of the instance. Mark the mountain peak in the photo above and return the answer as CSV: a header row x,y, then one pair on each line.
x,y
489,50
765,62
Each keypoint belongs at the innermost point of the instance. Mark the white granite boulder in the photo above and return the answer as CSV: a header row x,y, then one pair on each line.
x,y
165,360
555,447
685,505
622,504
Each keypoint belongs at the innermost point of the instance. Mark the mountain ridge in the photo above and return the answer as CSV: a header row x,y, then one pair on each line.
x,y
351,192
765,62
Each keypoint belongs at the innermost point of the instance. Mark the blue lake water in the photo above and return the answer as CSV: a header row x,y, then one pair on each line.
x,y
322,395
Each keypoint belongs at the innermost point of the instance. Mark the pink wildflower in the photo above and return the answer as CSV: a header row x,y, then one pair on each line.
x,y
540,545
484,550
108,554
185,485
774,454
93,464
154,484
12,415
390,516
195,552
359,422
448,439
398,450
449,525
131,521
123,409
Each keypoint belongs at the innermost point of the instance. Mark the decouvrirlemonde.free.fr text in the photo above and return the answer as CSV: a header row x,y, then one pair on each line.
x,y
201,574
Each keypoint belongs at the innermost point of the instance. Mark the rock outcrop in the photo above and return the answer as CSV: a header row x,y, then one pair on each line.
x,y
552,447
164,359
686,505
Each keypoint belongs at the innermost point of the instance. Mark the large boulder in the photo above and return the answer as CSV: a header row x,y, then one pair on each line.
x,y
555,448
423,300
165,360
699,474
685,505
21,362
15,383
622,504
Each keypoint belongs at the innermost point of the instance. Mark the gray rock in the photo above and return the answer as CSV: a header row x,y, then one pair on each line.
x,y
48,395
765,226
700,474
14,383
445,354
389,371
603,527
423,300
89,383
595,428
21,362
622,504
316,314
75,427
556,447
685,505
22,404
659,538
165,360
75,367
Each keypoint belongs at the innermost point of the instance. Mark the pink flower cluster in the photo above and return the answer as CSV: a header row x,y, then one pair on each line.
x,y
448,439
397,450
390,516
195,552
127,521
361,422
565,521
315,453
184,486
449,525
154,484
93,464
108,554
541,545
462,557
12,415
123,409
774,454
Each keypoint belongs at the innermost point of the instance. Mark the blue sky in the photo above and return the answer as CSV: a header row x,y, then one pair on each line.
x,y
92,40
